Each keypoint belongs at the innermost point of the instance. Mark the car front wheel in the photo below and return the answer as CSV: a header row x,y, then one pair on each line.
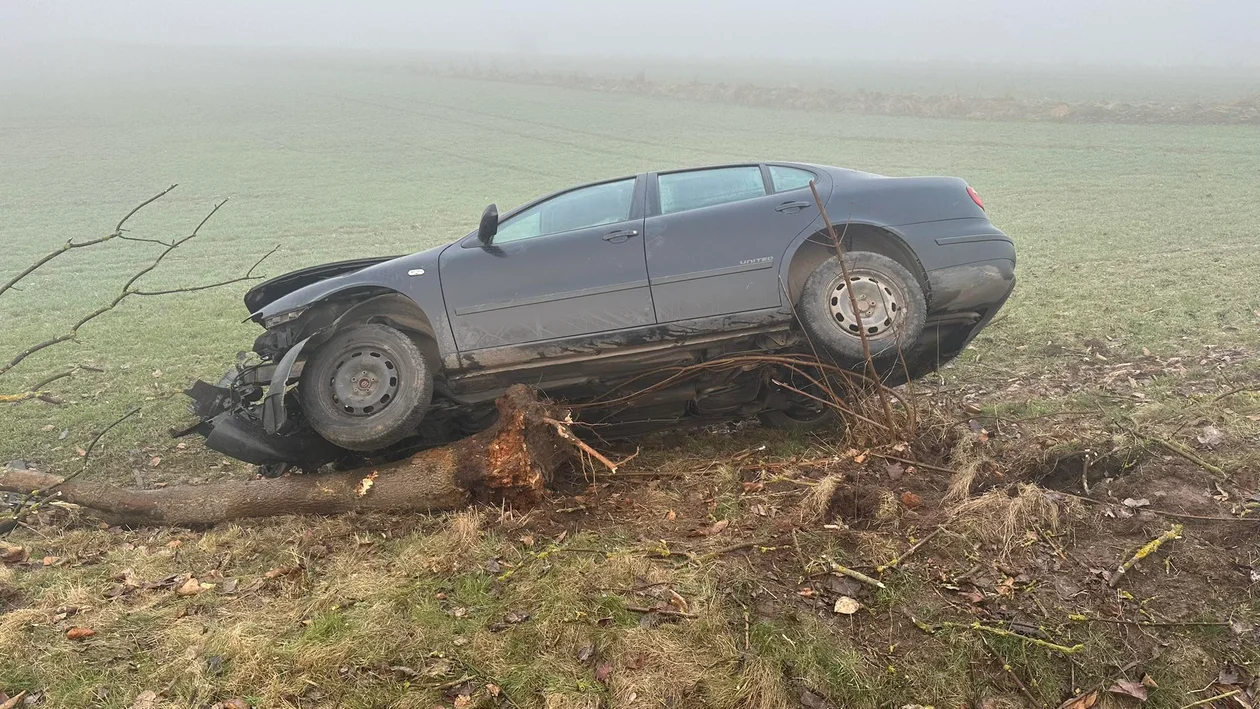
x,y
890,308
366,388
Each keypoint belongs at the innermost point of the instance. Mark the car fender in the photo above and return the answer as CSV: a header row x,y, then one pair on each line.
x,y
275,414
414,277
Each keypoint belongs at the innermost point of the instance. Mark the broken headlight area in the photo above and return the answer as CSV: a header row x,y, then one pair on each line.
x,y
282,318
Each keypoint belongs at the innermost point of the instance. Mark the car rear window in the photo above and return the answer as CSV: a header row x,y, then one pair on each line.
x,y
608,203
786,179
694,189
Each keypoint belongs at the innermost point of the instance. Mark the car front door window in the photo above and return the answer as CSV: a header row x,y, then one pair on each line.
x,y
608,203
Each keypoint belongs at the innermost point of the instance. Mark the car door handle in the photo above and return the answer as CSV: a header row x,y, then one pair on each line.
x,y
620,235
792,207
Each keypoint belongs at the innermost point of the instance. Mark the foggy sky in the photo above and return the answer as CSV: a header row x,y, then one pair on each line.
x,y
1113,32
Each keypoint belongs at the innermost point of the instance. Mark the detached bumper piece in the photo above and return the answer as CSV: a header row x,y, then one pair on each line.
x,y
238,432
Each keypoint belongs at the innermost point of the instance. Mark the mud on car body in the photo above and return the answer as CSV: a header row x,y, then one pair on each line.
x,y
586,291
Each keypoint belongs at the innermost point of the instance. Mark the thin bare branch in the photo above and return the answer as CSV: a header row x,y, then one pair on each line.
x,y
127,289
249,276
71,244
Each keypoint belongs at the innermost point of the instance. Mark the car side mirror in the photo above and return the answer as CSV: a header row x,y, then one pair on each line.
x,y
489,225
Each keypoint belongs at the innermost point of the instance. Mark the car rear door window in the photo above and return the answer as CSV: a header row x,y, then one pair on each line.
x,y
608,203
681,191
786,179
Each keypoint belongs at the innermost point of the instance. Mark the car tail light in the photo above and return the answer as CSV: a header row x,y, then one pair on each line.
x,y
975,197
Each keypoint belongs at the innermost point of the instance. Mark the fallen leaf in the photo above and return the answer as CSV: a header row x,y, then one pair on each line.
x,y
1149,682
860,459
528,541
516,617
910,500
78,633
12,553
1135,504
847,605
1232,675
365,484
757,486
191,587
677,601
12,702
51,560
1210,437
1129,688
282,571
716,528
155,461
602,672
1082,701
174,544
586,653
236,703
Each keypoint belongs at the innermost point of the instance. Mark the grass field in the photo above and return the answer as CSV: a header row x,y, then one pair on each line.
x,y
1141,234
1137,237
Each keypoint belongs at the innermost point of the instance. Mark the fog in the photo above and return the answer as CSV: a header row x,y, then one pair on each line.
x,y
1216,33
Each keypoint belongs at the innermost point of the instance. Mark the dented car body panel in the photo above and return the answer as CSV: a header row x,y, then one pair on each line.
x,y
579,312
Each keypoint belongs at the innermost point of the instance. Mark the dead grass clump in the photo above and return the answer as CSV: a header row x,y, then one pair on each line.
x,y
999,516
967,461
654,663
570,701
761,685
447,550
814,506
9,596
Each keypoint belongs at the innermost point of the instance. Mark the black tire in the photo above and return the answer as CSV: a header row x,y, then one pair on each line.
x,y
377,403
801,420
892,304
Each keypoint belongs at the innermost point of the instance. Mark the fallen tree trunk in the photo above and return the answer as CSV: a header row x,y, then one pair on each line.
x,y
509,462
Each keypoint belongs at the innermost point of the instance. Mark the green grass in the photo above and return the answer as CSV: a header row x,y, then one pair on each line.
x,y
1142,234
1139,237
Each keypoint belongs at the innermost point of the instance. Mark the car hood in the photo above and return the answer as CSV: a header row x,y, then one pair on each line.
x,y
280,286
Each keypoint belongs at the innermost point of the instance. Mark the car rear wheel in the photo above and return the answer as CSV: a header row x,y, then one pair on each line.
x,y
891,308
366,388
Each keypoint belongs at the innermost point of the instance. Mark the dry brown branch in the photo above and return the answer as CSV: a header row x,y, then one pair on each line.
x,y
71,244
562,430
507,463
836,242
1178,449
909,552
127,289
36,496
